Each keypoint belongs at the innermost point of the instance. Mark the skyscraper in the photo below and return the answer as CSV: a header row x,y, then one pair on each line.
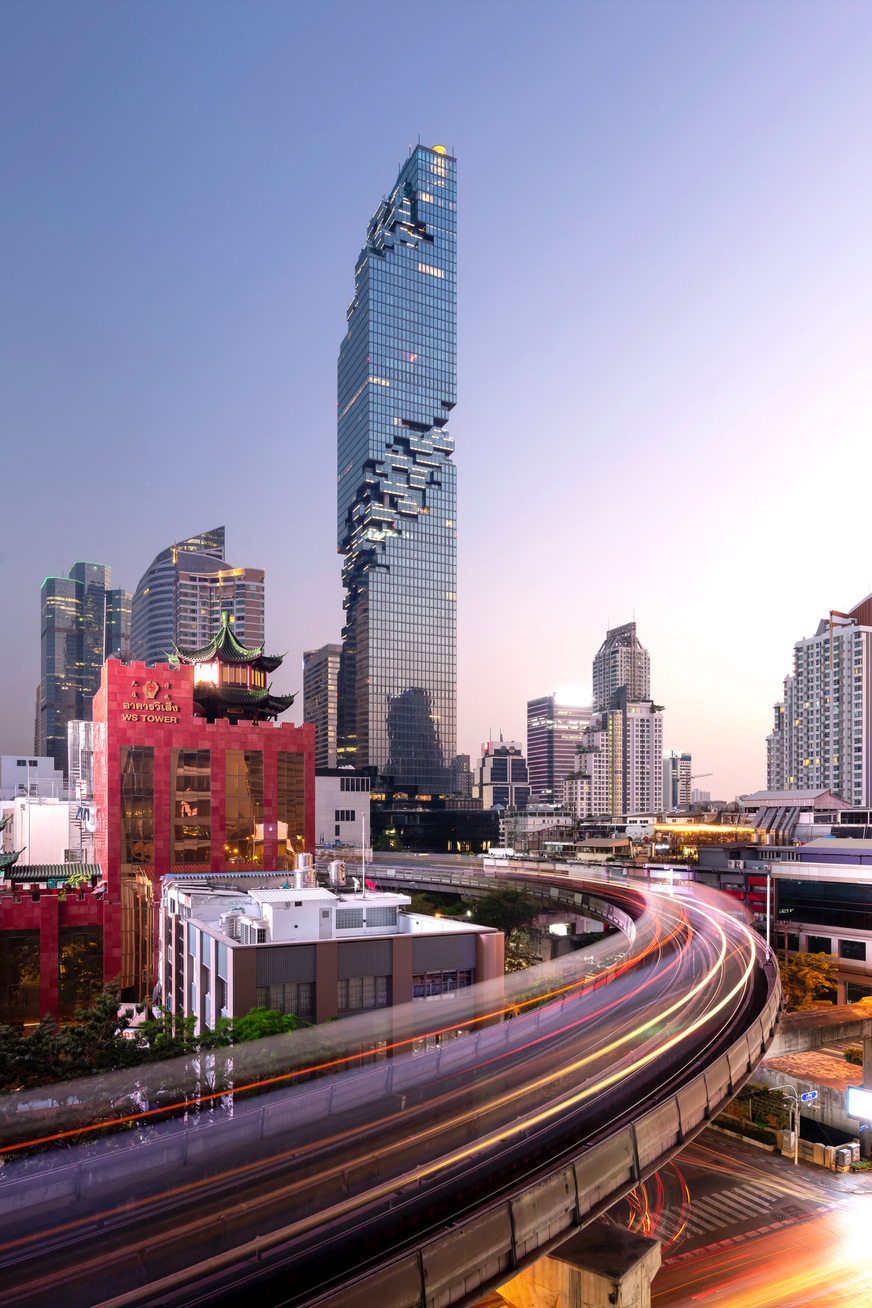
x,y
822,733
554,732
82,622
397,514
320,700
620,661
676,780
183,593
619,770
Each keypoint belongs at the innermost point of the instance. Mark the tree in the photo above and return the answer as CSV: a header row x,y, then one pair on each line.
x,y
806,978
506,910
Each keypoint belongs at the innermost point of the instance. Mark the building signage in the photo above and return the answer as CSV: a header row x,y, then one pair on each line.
x,y
147,704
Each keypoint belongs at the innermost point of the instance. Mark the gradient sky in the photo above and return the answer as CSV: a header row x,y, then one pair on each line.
x,y
665,322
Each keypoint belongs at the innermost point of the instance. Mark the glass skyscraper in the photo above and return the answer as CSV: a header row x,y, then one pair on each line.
x,y
83,621
396,486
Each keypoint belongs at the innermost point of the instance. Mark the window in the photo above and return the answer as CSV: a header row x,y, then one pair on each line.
x,y
438,985
349,918
820,945
357,993
855,949
297,997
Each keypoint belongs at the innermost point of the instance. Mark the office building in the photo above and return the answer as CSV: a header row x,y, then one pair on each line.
x,y
700,796
822,730
321,700
397,507
461,777
501,775
184,593
554,732
677,769
229,944
621,661
191,772
83,622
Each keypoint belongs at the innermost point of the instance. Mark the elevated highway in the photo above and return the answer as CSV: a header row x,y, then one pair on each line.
x,y
426,1178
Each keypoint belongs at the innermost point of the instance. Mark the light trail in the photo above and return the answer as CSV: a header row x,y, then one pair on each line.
x,y
692,977
197,1101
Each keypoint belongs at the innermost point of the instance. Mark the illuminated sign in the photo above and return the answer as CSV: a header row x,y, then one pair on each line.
x,y
860,1103
147,704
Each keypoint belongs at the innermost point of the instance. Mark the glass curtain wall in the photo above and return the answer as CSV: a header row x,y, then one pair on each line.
x,y
291,808
396,484
192,806
137,851
243,802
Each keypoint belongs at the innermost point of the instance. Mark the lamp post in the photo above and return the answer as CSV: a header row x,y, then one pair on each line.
x,y
797,1100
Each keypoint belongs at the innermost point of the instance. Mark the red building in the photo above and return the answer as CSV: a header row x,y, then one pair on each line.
x,y
191,773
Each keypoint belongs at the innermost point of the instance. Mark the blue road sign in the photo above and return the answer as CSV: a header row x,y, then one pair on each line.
x,y
809,1094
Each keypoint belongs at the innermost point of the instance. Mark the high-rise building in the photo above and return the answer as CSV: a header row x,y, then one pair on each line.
x,y
501,775
619,768
184,592
822,733
83,622
677,770
397,514
461,777
621,661
554,733
321,698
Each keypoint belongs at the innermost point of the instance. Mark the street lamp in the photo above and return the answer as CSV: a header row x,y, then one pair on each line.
x,y
797,1100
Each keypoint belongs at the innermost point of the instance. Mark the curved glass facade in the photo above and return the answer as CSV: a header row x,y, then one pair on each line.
x,y
396,484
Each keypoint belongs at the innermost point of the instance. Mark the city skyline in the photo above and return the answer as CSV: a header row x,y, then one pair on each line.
x,y
696,341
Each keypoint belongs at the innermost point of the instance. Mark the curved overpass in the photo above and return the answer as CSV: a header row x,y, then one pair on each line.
x,y
423,1179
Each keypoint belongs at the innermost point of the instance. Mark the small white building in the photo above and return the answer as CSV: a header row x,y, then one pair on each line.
x,y
234,942
341,807
26,774
50,831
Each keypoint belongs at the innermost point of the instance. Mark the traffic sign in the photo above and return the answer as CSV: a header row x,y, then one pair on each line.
x,y
809,1094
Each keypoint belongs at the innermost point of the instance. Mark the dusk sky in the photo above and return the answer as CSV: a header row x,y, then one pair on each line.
x,y
665,323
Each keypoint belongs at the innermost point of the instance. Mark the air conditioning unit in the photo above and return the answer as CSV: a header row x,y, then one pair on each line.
x,y
229,923
253,930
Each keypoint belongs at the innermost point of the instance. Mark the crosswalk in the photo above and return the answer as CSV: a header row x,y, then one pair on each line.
x,y
727,1208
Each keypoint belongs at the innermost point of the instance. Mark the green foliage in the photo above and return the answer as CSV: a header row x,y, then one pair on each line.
x,y
95,1041
431,904
506,910
518,952
806,978
854,1054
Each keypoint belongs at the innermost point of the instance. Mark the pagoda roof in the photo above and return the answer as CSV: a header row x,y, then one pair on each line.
x,y
7,860
254,701
226,649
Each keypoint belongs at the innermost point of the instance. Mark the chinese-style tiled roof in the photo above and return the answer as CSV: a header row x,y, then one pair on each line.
x,y
4,821
226,648
6,860
51,874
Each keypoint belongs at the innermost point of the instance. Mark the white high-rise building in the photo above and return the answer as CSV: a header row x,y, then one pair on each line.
x,y
619,768
621,661
676,780
822,733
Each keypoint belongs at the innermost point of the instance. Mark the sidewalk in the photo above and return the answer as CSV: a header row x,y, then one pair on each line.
x,y
840,1182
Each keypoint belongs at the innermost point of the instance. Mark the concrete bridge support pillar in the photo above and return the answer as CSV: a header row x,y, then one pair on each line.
x,y
867,1062
599,1267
